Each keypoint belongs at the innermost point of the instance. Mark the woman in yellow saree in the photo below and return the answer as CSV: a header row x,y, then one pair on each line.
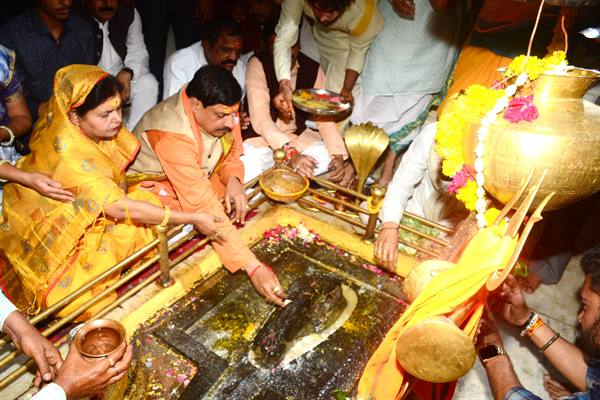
x,y
52,248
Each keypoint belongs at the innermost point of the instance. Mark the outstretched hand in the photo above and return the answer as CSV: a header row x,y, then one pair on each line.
x,y
514,309
27,338
47,187
303,164
283,101
235,200
80,377
207,224
266,283
386,247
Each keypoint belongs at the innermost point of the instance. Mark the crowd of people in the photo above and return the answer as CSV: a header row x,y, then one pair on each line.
x,y
89,96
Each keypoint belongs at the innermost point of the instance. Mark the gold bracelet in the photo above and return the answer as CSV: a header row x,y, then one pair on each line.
x,y
166,217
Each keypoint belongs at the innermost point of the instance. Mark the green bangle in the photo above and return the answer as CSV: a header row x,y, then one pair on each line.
x,y
549,342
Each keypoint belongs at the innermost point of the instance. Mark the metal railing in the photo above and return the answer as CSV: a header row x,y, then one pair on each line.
x,y
163,249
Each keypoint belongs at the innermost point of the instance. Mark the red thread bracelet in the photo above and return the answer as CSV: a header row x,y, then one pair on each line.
x,y
255,269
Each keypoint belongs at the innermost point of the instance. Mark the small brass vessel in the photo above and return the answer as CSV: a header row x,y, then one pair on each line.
x,y
99,338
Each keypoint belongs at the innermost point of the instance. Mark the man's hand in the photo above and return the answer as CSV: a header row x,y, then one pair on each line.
x,y
266,283
31,342
349,175
124,77
303,164
207,224
341,172
488,331
47,187
514,309
244,120
234,194
386,246
404,8
81,378
283,101
347,94
336,168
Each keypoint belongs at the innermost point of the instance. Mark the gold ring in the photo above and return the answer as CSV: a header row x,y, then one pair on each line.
x,y
111,362
276,290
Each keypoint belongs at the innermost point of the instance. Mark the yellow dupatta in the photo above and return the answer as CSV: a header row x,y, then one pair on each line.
x,y
38,235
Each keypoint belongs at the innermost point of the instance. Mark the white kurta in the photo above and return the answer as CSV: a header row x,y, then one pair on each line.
x,y
144,86
407,64
339,49
183,64
414,187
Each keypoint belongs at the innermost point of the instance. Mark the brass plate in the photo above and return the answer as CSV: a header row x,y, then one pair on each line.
x,y
435,350
321,102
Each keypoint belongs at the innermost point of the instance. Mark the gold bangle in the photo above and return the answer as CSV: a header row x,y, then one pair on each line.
x,y
11,136
166,217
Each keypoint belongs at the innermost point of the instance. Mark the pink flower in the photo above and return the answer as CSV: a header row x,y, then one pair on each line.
x,y
521,109
459,180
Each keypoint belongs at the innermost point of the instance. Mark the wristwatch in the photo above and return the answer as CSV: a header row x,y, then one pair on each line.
x,y
488,352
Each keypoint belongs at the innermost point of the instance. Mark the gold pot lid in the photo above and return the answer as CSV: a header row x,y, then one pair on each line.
x,y
435,350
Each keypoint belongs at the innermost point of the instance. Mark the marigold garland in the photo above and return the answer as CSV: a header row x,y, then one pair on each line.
x,y
479,105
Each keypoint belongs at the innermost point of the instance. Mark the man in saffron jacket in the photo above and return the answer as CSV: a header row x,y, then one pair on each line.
x,y
194,138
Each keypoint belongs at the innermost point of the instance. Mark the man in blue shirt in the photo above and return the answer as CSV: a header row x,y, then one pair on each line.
x,y
45,38
581,369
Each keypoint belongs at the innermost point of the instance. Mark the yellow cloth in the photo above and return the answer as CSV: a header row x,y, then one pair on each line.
x,y
52,247
460,286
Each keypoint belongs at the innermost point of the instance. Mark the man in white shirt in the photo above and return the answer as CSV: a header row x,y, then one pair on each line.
x,y
418,187
343,31
221,44
75,377
120,50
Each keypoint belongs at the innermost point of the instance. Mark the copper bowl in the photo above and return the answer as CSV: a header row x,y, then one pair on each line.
x,y
99,338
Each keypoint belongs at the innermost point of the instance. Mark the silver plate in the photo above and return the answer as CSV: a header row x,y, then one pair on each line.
x,y
329,108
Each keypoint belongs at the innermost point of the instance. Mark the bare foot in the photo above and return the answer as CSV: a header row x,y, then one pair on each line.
x,y
554,388
531,283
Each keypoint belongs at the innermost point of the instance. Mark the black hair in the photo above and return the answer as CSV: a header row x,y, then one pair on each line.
x,y
590,263
214,84
213,28
268,29
102,91
332,5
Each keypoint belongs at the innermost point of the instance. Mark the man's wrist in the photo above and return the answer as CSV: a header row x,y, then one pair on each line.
x,y
234,179
285,84
128,70
389,225
522,322
490,351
